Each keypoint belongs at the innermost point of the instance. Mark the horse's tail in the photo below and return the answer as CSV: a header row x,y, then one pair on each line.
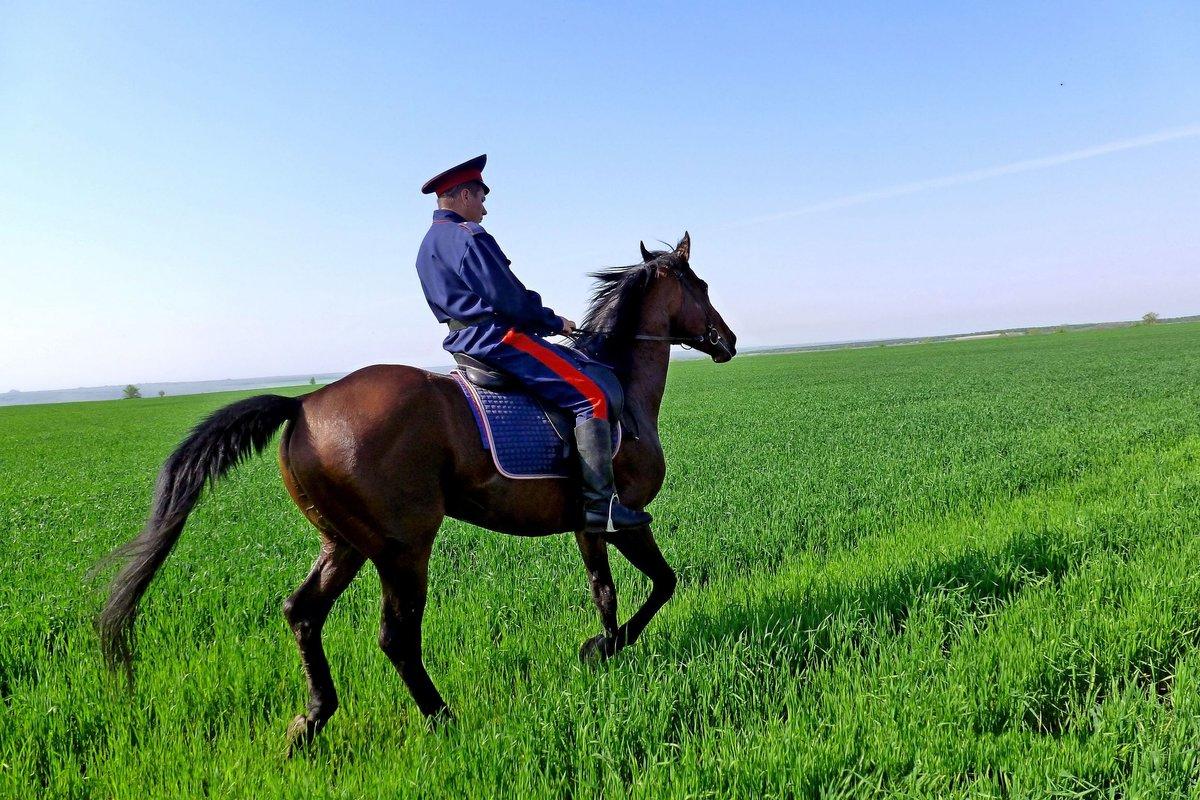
x,y
214,447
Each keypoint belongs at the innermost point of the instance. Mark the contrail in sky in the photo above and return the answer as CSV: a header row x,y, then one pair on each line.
x,y
1170,135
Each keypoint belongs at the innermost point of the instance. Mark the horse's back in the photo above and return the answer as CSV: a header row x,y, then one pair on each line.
x,y
396,438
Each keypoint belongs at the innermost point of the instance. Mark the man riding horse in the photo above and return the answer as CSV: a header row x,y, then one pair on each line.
x,y
493,318
377,460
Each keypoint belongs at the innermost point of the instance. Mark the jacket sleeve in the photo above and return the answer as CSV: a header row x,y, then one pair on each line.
x,y
491,279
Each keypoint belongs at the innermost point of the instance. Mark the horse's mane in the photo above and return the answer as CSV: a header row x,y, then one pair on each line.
x,y
615,307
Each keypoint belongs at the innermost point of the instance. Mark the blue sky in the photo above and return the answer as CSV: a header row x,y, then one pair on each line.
x,y
218,191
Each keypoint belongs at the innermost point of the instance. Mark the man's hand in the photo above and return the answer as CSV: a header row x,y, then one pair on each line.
x,y
568,327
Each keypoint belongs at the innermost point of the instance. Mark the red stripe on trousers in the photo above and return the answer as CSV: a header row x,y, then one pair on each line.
x,y
562,368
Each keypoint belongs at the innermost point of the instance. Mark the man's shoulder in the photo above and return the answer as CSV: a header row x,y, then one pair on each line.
x,y
452,240
460,233
453,228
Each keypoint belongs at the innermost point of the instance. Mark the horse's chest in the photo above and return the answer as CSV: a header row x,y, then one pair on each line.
x,y
640,469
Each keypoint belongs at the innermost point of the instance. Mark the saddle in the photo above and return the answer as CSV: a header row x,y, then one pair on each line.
x,y
526,438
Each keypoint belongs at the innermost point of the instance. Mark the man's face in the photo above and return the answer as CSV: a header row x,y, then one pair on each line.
x,y
472,205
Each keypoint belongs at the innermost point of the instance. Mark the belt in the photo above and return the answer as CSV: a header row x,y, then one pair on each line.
x,y
461,324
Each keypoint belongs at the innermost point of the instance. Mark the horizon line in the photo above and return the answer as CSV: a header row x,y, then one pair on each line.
x,y
758,349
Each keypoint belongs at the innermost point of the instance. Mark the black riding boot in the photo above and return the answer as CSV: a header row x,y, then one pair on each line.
x,y
603,510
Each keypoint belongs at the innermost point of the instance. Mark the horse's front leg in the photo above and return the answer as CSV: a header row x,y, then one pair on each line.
x,y
595,558
642,551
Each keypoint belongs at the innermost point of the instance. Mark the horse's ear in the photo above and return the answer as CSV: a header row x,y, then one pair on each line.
x,y
645,253
684,250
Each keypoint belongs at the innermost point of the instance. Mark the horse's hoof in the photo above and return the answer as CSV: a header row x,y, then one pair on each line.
x,y
300,734
439,719
597,648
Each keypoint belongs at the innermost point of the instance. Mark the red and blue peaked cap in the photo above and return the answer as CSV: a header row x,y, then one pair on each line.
x,y
467,171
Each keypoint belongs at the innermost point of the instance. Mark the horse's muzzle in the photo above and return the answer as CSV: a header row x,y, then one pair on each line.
x,y
725,350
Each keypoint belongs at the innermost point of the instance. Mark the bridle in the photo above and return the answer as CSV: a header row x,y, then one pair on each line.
x,y
712,334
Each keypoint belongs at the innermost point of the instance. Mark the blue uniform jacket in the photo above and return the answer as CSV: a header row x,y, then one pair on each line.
x,y
465,275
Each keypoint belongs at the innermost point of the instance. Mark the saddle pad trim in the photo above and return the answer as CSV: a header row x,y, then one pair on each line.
x,y
488,441
485,427
476,407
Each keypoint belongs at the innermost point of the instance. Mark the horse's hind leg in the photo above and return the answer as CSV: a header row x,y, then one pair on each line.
x,y
306,611
403,573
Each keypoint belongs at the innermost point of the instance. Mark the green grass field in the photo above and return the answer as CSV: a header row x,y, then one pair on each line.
x,y
949,570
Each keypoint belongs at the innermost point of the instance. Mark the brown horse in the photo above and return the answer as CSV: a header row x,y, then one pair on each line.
x,y
377,459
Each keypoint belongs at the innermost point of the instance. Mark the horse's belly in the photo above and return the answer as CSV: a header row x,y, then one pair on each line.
x,y
520,507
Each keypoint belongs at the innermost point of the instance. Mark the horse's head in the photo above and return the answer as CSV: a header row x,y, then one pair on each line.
x,y
660,299
676,304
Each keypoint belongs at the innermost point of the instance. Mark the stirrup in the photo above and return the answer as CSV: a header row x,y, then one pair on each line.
x,y
637,519
609,527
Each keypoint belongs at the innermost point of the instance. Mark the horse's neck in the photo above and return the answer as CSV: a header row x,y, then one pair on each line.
x,y
647,382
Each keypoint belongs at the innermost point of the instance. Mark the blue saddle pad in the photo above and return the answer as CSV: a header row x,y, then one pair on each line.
x,y
516,429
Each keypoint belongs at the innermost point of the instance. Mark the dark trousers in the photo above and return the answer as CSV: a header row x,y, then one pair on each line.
x,y
550,372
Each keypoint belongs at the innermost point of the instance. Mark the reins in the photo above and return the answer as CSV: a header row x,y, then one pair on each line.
x,y
686,341
711,334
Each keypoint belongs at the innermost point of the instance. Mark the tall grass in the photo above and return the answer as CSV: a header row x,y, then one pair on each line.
x,y
945,570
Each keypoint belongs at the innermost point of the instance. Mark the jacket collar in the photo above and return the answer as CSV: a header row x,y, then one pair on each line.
x,y
446,215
